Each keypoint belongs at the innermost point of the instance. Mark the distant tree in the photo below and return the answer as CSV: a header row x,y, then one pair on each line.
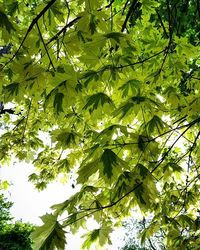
x,y
13,236
134,236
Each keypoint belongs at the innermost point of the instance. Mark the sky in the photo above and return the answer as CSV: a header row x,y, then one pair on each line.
x,y
29,203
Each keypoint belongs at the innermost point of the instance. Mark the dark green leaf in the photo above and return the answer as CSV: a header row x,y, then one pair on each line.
x,y
12,89
58,101
96,100
116,36
5,23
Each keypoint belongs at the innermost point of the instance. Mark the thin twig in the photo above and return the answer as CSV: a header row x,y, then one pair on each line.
x,y
20,121
154,139
185,191
45,47
70,24
170,148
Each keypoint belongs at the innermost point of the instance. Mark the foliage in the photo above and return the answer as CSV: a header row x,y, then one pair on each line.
x,y
13,236
133,229
114,87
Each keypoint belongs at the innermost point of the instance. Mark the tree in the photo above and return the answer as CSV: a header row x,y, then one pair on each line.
x,y
13,236
115,86
133,230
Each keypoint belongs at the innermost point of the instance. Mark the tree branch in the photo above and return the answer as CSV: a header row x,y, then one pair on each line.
x,y
70,24
45,47
162,24
35,20
130,11
153,139
170,148
8,111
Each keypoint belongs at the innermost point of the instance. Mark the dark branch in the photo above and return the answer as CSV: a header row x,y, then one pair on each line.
x,y
141,61
109,5
35,20
70,24
8,111
181,135
162,24
45,45
125,6
130,11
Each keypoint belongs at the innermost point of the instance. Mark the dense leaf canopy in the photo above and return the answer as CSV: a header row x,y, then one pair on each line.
x,y
107,92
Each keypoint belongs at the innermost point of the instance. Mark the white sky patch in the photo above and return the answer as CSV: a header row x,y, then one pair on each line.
x,y
161,98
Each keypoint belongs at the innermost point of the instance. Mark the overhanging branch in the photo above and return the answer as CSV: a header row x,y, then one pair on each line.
x,y
45,47
70,24
35,20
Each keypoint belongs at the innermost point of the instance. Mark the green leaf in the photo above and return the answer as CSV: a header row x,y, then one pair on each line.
x,y
58,101
185,221
143,171
64,138
60,207
131,104
139,193
124,110
87,170
96,100
116,36
142,142
91,238
109,165
63,165
5,23
131,87
107,134
99,236
93,24
12,89
154,124
13,7
124,184
90,75
174,167
110,161
50,235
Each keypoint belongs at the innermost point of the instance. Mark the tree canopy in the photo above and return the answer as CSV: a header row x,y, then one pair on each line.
x,y
106,92
13,236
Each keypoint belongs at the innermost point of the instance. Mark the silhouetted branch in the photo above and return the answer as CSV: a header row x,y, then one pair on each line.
x,y
130,11
162,24
45,45
35,20
70,24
